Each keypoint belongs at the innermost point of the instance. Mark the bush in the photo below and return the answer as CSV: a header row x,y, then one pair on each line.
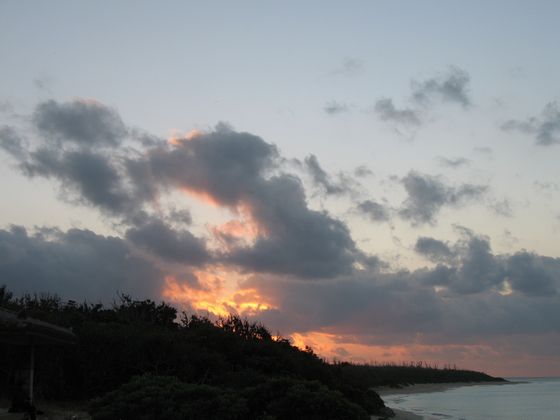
x,y
150,397
284,398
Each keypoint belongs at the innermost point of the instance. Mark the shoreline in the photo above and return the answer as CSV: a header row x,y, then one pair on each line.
x,y
422,389
434,387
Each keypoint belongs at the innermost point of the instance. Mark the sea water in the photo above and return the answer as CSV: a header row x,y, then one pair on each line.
x,y
532,399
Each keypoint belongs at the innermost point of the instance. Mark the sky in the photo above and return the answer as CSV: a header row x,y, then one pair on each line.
x,y
375,179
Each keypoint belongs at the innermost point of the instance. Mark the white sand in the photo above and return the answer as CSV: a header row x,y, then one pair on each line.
x,y
400,415
423,388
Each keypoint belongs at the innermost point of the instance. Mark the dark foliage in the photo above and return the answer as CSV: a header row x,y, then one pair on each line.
x,y
230,361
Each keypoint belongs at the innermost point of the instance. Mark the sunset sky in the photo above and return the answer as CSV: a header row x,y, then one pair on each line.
x,y
376,179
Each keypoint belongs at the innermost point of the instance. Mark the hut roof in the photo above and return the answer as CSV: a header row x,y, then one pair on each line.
x,y
18,329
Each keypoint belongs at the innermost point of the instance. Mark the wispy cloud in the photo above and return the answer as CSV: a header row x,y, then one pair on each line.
x,y
545,129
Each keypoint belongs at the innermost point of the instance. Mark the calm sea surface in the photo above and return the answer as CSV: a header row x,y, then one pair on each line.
x,y
538,399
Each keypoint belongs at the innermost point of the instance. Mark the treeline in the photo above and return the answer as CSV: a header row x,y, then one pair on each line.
x,y
141,359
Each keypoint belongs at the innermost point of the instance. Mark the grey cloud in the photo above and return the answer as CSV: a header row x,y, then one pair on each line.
x,y
449,87
488,151
76,264
322,179
545,129
502,207
83,122
334,107
374,211
428,194
471,268
11,142
433,249
406,306
453,163
234,170
180,216
300,241
385,109
350,67
92,176
362,171
479,269
532,274
224,164
160,239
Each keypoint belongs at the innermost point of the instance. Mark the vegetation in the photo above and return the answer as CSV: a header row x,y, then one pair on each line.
x,y
138,359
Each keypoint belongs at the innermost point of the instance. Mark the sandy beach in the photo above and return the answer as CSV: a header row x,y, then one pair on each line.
x,y
424,388
400,415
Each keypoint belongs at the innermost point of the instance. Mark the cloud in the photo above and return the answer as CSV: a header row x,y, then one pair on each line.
x,y
487,151
81,121
334,107
172,245
451,86
471,302
374,211
453,163
533,274
433,249
545,129
502,207
350,67
11,142
237,170
322,179
428,194
385,109
76,264
92,177
299,241
362,171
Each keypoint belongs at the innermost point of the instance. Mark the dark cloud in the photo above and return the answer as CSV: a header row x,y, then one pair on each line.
x,y
453,163
84,122
428,194
374,211
322,179
533,274
224,164
298,240
433,249
451,86
11,142
472,303
385,110
161,239
478,270
235,170
76,264
334,107
90,176
545,129
181,216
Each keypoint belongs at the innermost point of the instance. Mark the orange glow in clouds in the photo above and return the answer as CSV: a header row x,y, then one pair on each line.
x,y
215,296
176,138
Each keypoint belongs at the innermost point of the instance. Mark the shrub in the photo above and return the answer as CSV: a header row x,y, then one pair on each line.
x,y
150,397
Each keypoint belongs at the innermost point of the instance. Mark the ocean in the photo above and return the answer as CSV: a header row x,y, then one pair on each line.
x,y
534,399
